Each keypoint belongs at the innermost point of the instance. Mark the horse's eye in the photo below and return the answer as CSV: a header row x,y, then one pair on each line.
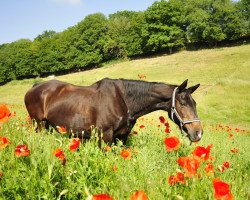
x,y
182,103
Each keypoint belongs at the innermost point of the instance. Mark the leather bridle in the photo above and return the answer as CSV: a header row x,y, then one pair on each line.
x,y
174,111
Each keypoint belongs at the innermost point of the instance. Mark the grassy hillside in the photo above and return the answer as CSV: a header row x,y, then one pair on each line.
x,y
223,74
223,105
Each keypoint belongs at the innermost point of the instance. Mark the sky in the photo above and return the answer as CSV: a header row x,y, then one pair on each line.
x,y
28,18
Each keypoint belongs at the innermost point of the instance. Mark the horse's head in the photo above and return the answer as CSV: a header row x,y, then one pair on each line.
x,y
183,111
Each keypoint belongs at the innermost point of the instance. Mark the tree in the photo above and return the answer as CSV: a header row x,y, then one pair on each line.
x,y
45,34
89,41
124,34
164,26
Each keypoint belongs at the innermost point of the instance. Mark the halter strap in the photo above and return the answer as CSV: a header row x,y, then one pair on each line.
x,y
174,111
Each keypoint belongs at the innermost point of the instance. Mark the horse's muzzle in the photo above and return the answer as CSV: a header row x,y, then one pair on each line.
x,y
195,136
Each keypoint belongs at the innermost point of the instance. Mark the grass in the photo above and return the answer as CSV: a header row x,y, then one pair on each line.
x,y
222,99
223,74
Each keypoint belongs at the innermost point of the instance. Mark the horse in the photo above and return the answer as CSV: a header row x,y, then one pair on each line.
x,y
112,106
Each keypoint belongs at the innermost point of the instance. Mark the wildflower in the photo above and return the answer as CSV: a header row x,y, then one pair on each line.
x,y
221,190
172,180
61,129
209,168
234,150
115,168
202,152
180,177
237,130
221,169
135,132
142,126
230,135
167,130
75,144
4,113
5,142
14,114
172,143
107,148
139,195
162,119
22,150
101,197
28,120
190,165
126,154
226,164
1,175
60,154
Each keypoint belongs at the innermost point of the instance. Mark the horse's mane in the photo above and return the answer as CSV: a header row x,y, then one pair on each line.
x,y
138,90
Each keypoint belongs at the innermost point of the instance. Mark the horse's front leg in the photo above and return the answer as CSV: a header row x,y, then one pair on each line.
x,y
124,132
107,136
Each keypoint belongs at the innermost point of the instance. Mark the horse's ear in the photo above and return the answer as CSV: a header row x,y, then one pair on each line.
x,y
193,88
182,86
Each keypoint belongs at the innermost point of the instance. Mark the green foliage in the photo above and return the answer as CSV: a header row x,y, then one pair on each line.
x,y
90,170
165,25
163,31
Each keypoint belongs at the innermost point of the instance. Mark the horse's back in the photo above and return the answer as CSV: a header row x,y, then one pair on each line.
x,y
37,96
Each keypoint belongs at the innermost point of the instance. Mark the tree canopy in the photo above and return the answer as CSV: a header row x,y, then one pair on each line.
x,y
164,26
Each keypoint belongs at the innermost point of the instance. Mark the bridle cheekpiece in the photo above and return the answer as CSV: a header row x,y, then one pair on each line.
x,y
174,111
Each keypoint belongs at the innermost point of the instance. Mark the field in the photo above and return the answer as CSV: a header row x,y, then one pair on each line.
x,y
223,104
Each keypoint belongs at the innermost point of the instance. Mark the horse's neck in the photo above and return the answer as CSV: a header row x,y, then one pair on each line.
x,y
148,98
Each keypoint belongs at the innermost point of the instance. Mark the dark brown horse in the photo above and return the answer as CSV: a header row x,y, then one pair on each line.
x,y
111,105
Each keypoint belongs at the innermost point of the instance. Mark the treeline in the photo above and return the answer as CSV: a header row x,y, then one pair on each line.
x,y
164,26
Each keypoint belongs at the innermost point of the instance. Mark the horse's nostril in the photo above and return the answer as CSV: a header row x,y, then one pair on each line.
x,y
199,134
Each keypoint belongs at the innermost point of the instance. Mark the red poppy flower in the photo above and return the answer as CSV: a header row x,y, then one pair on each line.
x,y
126,154
167,130
234,150
4,142
1,175
115,168
75,144
221,169
142,126
61,129
107,148
172,180
60,154
180,177
167,124
162,119
190,165
139,195
221,190
101,197
226,164
237,129
230,135
135,132
172,143
4,113
202,152
209,168
22,150
28,120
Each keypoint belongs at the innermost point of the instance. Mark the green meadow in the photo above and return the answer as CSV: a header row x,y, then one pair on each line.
x,y
223,104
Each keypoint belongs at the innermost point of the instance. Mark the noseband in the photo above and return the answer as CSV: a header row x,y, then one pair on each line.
x,y
174,111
